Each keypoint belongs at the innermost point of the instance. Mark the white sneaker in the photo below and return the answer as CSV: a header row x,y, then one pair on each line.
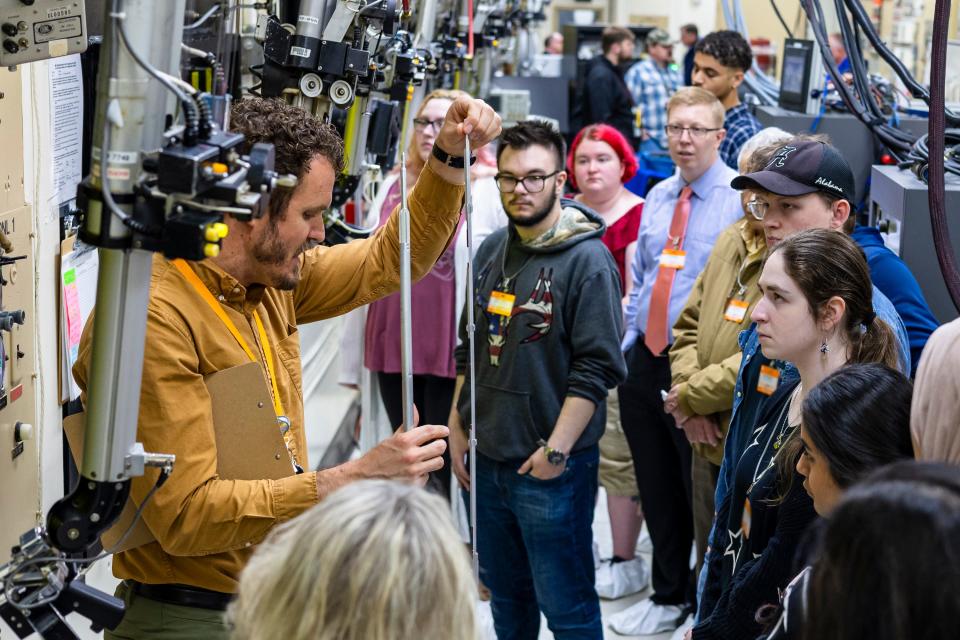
x,y
485,628
681,631
646,618
619,579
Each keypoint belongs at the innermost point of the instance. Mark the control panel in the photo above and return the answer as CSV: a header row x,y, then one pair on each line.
x,y
19,444
33,30
19,441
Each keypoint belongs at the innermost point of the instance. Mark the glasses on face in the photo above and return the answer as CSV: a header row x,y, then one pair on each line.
x,y
757,208
531,184
675,131
421,124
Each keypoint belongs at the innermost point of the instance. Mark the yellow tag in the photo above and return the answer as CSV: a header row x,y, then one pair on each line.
x,y
736,310
746,518
768,381
673,258
501,303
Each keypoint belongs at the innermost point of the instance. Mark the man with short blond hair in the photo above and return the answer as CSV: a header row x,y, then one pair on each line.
x,y
682,217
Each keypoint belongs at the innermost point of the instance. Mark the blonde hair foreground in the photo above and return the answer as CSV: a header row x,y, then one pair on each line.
x,y
376,560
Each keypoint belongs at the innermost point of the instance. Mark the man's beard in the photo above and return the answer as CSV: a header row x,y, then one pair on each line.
x,y
538,215
271,252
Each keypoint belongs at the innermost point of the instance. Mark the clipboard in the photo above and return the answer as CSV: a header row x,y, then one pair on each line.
x,y
249,444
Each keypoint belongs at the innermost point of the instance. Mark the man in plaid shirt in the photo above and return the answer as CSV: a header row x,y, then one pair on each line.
x,y
720,61
651,82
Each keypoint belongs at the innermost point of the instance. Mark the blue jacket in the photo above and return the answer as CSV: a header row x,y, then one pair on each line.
x,y
894,279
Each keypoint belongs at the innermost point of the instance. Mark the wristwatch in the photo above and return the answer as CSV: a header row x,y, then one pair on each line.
x,y
554,456
451,161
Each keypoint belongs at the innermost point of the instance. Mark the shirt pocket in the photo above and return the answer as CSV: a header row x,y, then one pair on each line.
x,y
288,352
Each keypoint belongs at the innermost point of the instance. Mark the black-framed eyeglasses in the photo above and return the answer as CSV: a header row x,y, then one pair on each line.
x,y
420,124
675,131
531,184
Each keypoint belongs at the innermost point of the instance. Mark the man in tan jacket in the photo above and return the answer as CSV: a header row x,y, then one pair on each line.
x,y
705,356
245,305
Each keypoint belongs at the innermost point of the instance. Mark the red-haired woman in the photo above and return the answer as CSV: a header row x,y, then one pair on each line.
x,y
600,162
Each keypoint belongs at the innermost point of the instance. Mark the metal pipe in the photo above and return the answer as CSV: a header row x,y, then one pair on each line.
x,y
123,282
471,328
406,317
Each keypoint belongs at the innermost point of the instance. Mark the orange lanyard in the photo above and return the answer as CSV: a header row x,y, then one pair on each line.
x,y
217,308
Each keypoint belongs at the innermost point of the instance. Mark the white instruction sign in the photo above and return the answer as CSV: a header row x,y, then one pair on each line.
x,y
66,125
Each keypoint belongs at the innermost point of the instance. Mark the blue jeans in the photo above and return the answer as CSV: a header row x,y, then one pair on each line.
x,y
535,541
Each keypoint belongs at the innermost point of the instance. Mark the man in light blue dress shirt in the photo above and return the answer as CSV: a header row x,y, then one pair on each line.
x,y
661,453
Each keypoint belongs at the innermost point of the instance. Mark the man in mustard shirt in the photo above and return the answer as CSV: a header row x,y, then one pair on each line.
x,y
245,305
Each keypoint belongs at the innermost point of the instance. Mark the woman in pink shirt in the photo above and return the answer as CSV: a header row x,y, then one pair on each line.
x,y
437,299
600,162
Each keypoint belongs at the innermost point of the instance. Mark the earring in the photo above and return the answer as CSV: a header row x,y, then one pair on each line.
x,y
824,347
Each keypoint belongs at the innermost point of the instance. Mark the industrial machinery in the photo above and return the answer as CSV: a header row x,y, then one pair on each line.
x,y
899,208
165,170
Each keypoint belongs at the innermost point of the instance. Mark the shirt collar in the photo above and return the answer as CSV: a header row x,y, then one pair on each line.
x,y
754,242
712,177
228,289
735,113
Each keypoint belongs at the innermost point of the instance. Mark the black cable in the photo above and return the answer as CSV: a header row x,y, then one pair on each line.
x,y
776,10
890,137
916,89
937,126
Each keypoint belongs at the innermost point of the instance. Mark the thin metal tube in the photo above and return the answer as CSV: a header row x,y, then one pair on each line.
x,y
406,318
471,328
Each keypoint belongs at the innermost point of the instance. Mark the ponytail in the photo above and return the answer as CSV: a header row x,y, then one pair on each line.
x,y
875,342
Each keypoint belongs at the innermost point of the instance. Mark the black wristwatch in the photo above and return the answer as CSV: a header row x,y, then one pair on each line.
x,y
554,456
451,161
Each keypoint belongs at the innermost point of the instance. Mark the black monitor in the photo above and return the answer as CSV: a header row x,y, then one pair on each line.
x,y
800,76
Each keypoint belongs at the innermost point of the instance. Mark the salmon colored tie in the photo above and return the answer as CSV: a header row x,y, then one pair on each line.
x,y
656,337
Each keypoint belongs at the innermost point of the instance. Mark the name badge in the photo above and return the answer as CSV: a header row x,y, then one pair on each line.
x,y
736,310
768,381
501,303
673,258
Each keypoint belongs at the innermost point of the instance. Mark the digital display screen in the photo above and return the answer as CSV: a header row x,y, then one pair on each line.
x,y
793,67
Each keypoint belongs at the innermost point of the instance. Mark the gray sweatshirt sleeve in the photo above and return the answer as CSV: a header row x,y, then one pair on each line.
x,y
595,329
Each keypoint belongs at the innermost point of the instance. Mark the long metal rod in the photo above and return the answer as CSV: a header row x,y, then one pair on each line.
x,y
471,328
406,317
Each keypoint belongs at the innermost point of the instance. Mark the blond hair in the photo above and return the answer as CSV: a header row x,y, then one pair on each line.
x,y
414,163
694,96
376,560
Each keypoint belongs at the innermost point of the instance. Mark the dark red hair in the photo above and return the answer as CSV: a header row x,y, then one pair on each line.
x,y
619,144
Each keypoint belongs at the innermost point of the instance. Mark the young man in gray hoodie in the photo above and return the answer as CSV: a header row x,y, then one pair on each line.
x,y
548,315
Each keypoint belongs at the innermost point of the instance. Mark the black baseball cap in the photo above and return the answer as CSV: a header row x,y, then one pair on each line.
x,y
802,167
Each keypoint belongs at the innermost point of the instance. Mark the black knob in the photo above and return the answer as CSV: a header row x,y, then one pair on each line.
x,y
11,46
27,2
9,29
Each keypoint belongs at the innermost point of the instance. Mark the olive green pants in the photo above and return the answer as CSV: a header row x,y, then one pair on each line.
x,y
147,619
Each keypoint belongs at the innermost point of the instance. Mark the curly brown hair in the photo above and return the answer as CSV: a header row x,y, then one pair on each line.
x,y
297,136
